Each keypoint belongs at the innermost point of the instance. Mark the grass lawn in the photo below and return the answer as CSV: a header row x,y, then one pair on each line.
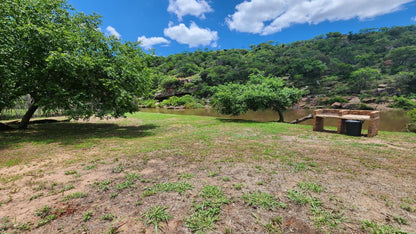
x,y
167,173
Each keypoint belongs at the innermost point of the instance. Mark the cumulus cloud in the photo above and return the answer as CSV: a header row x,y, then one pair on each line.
x,y
270,16
192,36
148,43
112,32
189,7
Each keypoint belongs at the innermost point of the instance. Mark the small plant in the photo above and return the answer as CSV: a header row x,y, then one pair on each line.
x,y
400,220
317,188
238,186
298,197
36,196
206,213
108,217
262,200
113,195
72,172
45,213
186,176
118,169
139,203
375,228
90,167
213,174
225,179
87,215
67,187
74,196
155,215
326,218
179,187
274,225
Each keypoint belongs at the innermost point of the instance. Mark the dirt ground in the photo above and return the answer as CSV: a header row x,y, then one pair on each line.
x,y
104,180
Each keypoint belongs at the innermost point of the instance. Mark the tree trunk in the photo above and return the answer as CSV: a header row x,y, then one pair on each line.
x,y
26,118
302,119
281,118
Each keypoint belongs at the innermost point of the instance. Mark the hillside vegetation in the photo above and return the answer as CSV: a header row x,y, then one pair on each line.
x,y
331,64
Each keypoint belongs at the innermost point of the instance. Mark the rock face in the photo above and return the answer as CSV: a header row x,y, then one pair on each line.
x,y
355,100
336,105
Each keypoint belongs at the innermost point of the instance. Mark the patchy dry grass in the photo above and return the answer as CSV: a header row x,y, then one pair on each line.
x,y
205,174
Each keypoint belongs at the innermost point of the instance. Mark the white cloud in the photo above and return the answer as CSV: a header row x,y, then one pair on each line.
x,y
148,43
270,16
192,36
112,32
189,7
413,18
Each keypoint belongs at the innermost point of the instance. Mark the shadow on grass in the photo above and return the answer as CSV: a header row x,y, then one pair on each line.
x,y
238,121
72,133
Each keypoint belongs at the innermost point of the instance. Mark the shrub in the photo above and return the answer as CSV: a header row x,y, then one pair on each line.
x,y
412,114
188,101
403,103
334,99
170,82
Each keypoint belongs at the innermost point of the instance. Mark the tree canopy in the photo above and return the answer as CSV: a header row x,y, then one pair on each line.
x,y
60,58
259,93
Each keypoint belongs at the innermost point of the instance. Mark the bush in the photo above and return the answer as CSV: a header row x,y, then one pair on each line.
x,y
188,101
334,99
403,103
412,114
170,82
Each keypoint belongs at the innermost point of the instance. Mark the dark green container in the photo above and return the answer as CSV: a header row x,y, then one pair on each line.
x,y
354,127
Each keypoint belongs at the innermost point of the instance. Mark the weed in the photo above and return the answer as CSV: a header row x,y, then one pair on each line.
x,y
22,226
179,187
87,215
36,196
225,179
260,183
118,169
139,203
186,176
375,228
67,187
113,195
74,196
213,174
298,197
45,213
406,207
155,215
301,167
130,178
400,220
317,188
262,200
206,213
238,186
5,223
326,218
90,167
73,172
274,225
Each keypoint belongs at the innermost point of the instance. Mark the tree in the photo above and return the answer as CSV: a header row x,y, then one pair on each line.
x,y
363,78
259,93
65,62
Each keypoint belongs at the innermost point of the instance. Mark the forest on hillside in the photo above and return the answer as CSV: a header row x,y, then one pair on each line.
x,y
329,65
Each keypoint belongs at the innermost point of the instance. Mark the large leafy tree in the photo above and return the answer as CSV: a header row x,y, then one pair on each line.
x,y
259,93
60,58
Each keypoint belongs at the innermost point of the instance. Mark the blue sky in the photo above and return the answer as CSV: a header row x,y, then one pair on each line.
x,y
175,26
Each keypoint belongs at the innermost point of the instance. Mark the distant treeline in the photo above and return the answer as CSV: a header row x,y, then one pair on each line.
x,y
331,64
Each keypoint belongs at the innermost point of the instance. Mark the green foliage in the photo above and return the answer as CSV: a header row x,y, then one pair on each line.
x,y
170,82
412,114
207,212
187,100
155,215
179,187
259,93
376,228
403,103
334,99
262,200
66,62
364,78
